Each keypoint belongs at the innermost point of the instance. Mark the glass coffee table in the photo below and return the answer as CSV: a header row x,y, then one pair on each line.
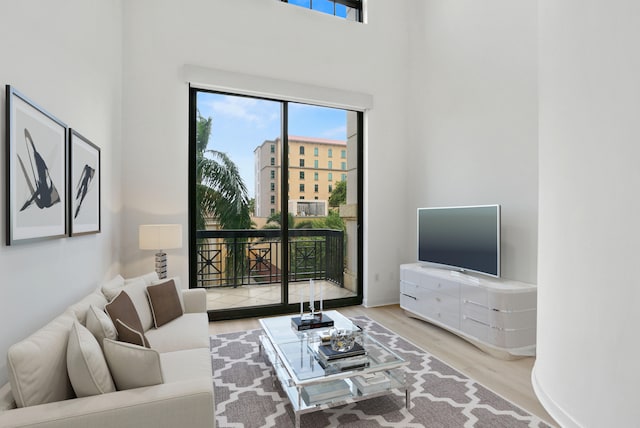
x,y
311,383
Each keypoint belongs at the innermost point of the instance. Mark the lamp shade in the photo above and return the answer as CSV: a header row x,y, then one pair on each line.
x,y
160,236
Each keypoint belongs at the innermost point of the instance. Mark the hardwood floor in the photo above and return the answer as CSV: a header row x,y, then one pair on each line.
x,y
510,379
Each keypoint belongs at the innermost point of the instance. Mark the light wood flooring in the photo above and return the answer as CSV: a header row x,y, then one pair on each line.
x,y
510,379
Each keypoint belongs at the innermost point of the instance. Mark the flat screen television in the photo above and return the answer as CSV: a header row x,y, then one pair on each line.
x,y
461,238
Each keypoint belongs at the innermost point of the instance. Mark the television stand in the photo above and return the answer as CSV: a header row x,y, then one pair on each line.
x,y
498,316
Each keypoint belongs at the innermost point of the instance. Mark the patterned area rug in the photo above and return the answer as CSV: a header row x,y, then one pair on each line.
x,y
440,396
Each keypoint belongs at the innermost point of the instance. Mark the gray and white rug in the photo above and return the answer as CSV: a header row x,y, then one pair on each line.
x,y
440,396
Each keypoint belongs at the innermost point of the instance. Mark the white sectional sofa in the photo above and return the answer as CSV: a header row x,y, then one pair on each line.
x,y
41,394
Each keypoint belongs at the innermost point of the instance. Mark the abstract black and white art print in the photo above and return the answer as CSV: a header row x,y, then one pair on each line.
x,y
36,156
84,185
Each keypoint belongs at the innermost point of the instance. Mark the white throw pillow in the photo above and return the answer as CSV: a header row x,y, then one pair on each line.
x,y
88,370
37,365
148,278
137,291
111,288
132,366
100,325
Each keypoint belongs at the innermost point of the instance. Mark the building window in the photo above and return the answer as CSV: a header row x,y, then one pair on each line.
x,y
273,161
330,153
273,187
301,175
273,174
330,188
273,199
315,197
330,176
273,211
301,163
315,188
343,177
273,148
315,151
315,163
343,166
301,197
302,187
301,150
349,10
343,154
315,176
330,166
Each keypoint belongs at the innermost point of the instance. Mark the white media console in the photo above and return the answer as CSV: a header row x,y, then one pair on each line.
x,y
498,316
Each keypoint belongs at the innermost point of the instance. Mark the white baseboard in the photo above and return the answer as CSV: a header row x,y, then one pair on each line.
x,y
554,409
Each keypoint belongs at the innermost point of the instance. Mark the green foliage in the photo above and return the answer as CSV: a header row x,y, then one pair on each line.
x,y
338,195
220,190
274,221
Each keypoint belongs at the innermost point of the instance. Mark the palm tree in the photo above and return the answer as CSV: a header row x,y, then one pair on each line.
x,y
220,190
221,193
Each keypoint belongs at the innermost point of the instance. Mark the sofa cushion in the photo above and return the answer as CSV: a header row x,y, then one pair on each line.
x,y
148,278
111,288
132,366
129,335
178,284
100,325
7,402
165,303
87,367
186,332
37,365
185,365
137,290
80,308
122,308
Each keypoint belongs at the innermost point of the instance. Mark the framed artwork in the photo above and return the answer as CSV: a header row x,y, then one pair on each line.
x,y
84,185
36,162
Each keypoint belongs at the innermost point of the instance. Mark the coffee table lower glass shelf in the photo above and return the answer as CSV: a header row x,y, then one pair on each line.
x,y
309,386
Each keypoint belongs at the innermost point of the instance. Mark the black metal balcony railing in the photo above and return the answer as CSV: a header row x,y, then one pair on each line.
x,y
230,258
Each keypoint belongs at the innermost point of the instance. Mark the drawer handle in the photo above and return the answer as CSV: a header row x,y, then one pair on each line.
x,y
438,300
476,321
411,297
471,302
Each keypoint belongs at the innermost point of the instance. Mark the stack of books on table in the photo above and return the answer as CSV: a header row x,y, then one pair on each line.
x,y
352,359
371,383
325,391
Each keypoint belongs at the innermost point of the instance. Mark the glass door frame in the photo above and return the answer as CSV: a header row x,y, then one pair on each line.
x,y
284,306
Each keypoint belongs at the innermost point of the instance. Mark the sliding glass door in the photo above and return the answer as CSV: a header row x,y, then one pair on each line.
x,y
275,197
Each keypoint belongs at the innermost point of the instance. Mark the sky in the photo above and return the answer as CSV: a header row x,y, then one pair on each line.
x,y
240,124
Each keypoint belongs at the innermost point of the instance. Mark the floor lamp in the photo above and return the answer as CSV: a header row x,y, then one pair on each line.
x,y
160,237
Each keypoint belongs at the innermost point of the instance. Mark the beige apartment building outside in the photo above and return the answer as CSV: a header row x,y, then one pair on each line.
x,y
315,166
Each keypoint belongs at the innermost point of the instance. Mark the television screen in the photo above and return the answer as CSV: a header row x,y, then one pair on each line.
x,y
464,238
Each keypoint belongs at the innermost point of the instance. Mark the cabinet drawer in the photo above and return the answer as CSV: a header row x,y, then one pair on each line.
x,y
475,311
512,301
513,320
410,303
517,338
474,328
441,307
441,285
408,288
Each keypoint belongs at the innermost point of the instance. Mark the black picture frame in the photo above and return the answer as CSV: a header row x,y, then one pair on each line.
x,y
84,185
36,171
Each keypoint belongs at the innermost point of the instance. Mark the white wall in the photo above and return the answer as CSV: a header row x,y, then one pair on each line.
x,y
473,118
65,56
586,373
269,39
